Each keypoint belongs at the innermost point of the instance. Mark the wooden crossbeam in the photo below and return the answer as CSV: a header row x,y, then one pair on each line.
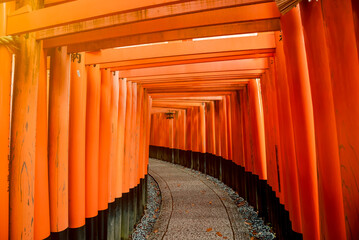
x,y
243,64
187,94
183,50
142,15
195,83
234,74
76,11
219,22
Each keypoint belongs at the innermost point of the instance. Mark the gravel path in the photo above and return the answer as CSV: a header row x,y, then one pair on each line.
x,y
152,211
195,206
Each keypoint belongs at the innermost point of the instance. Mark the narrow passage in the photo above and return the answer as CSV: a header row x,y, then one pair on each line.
x,y
193,207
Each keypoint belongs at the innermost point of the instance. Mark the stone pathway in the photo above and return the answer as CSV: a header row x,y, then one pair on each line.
x,y
193,207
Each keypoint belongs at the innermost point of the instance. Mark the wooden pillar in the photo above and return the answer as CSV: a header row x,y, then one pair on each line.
x,y
217,129
229,127
331,207
188,129
140,131
202,129
260,163
127,160
92,139
121,135
237,138
301,102
223,134
133,161
148,124
139,143
41,205
181,130
290,176
114,125
344,72
247,133
5,98
23,132
344,65
105,139
59,139
271,128
77,141
211,126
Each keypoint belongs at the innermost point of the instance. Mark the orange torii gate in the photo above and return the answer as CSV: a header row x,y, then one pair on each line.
x,y
271,114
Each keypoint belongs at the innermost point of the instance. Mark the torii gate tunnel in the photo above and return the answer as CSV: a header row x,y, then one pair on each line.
x,y
260,94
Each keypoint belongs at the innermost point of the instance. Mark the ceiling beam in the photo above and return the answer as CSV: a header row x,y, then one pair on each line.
x,y
76,11
182,50
233,74
142,15
187,94
244,19
200,58
242,64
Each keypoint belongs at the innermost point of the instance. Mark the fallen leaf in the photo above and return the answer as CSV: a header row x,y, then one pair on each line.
x,y
178,185
225,237
219,234
210,202
209,229
192,204
155,231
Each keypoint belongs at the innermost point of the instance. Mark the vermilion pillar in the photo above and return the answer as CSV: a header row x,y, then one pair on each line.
x,y
41,204
229,127
188,128
301,102
127,160
105,139
77,141
133,161
194,129
202,128
260,163
247,135
5,99
148,124
92,139
237,135
343,64
5,96
217,129
290,176
211,126
121,134
140,131
181,130
59,139
114,125
331,207
223,134
271,128
23,132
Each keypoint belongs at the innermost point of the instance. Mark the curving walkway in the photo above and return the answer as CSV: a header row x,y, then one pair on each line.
x,y
193,207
